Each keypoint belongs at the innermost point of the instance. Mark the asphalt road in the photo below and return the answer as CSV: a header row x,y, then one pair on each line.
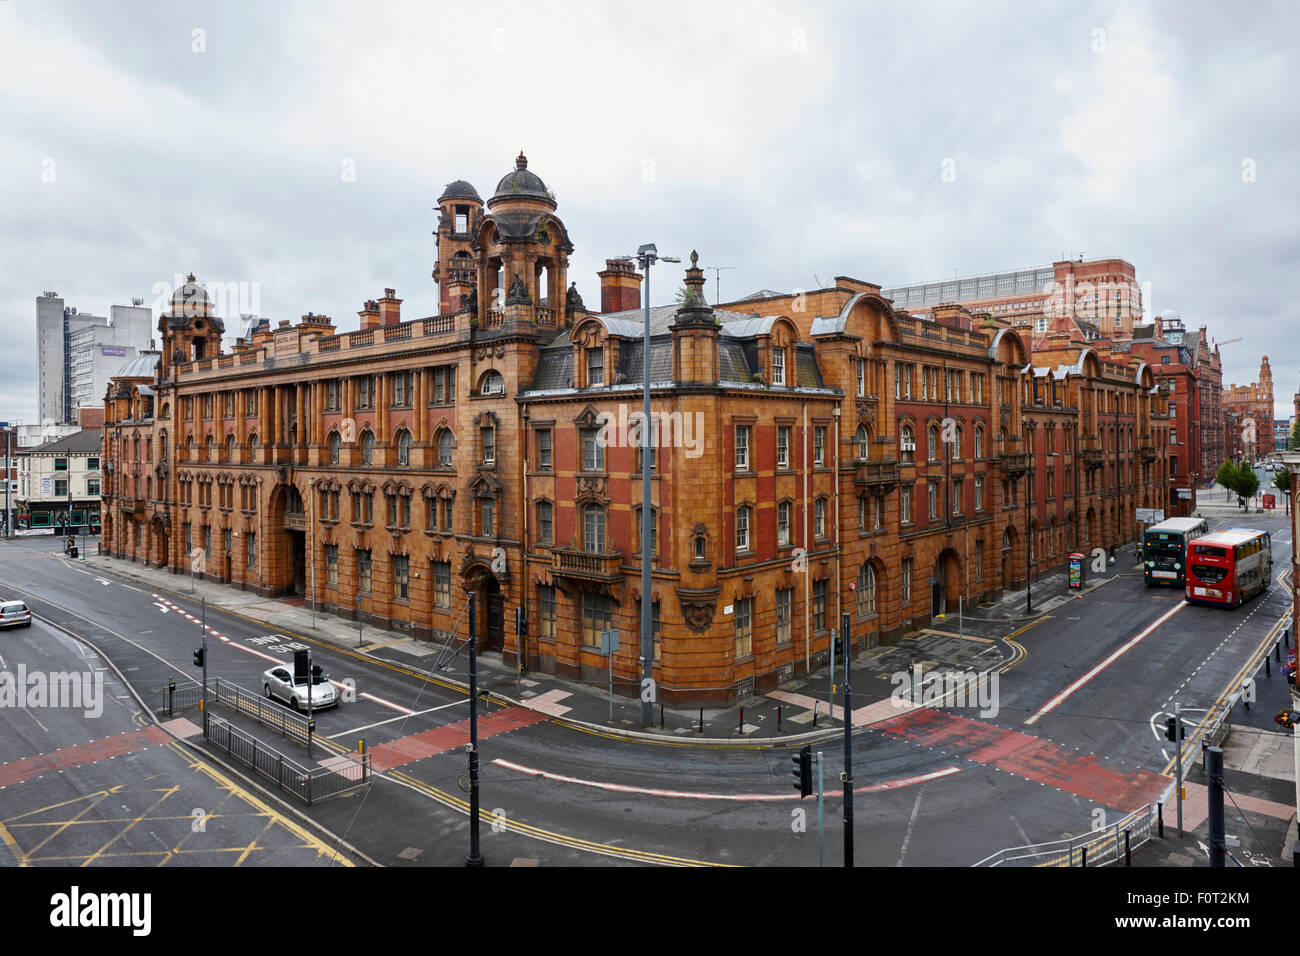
x,y
943,786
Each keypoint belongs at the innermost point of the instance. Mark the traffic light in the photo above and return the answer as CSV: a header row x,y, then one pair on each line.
x,y
1174,730
198,657
839,647
803,771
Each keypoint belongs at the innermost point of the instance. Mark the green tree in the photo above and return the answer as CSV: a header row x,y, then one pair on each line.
x,y
1282,480
1294,443
1247,481
1227,475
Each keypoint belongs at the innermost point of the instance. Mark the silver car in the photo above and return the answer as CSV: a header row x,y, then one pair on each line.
x,y
15,614
279,684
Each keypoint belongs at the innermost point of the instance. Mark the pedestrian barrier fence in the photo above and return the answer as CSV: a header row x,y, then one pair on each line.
x,y
1098,848
336,774
268,713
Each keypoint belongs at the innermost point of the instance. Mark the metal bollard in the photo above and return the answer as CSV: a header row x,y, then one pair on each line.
x,y
701,720
661,716
1128,856
1160,819
1277,652
1268,670
1083,850
171,693
778,718
740,724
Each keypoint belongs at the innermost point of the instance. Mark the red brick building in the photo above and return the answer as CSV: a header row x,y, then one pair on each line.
x,y
1253,406
814,454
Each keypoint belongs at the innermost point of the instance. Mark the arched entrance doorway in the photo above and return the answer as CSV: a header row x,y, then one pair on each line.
x,y
286,571
490,619
159,536
945,586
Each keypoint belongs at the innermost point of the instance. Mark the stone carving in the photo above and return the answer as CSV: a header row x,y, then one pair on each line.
x,y
698,608
469,303
517,293
573,300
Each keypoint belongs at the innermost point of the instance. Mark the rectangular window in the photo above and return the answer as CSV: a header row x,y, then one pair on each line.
x,y
228,404
593,452
545,524
742,529
819,518
907,580
778,367
862,378
546,611
784,604
979,494
363,571
595,367
595,617
401,576
819,605
489,440
819,445
444,385
783,523
92,464
331,565
878,512
742,448
442,584
487,511
61,464
744,626
544,449
92,486
60,487
958,488
905,504
783,446
933,489
331,396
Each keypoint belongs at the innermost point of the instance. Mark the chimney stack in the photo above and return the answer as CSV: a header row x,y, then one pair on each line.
x,y
620,286
369,314
390,308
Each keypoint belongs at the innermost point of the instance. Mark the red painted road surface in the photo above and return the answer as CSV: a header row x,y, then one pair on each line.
x,y
406,750
1028,756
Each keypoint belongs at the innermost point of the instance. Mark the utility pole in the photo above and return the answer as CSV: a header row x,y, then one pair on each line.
x,y
848,745
717,281
475,858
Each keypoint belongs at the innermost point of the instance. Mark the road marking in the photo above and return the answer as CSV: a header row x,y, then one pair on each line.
x,y
429,743
417,713
697,795
1060,698
911,823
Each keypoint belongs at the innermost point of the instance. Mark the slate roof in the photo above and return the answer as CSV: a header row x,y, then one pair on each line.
x,y
86,441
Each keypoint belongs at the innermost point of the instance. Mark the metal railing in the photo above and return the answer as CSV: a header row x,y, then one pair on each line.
x,y
339,774
1098,848
270,714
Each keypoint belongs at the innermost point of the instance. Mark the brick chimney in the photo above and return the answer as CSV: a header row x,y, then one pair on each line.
x,y
620,286
952,315
369,314
390,308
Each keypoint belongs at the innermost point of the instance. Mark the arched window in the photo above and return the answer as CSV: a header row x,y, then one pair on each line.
x,y
230,448
492,383
932,443
863,443
212,449
545,522
252,446
368,448
403,447
866,590
444,448
162,445
336,445
907,444
979,441
593,529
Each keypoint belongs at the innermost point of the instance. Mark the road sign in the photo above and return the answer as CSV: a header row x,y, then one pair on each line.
x,y
608,641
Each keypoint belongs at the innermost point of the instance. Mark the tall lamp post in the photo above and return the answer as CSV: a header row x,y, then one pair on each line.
x,y
647,255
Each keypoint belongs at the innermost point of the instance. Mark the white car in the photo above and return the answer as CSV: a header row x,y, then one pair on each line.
x,y
279,684
15,614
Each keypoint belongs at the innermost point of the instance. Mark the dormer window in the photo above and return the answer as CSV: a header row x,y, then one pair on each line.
x,y
595,367
778,366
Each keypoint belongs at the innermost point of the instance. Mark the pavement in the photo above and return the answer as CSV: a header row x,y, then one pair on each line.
x,y
802,709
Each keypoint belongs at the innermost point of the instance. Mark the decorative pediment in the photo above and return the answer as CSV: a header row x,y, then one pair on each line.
x,y
485,486
589,418
486,418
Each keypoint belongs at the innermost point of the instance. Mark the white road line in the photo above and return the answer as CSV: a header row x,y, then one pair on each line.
x,y
1060,698
689,795
911,822
418,713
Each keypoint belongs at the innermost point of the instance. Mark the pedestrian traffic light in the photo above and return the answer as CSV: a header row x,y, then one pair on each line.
x,y
1174,729
839,647
803,771
198,657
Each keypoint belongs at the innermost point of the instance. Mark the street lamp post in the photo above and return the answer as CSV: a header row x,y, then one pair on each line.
x,y
647,255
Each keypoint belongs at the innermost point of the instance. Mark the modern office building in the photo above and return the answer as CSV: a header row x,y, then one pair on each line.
x,y
77,354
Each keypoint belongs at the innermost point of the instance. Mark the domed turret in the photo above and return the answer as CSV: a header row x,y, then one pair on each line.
x,y
521,184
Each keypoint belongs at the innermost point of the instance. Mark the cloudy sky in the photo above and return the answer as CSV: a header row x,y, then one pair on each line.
x,y
298,147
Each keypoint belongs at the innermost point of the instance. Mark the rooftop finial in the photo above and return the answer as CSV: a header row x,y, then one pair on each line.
x,y
521,161
190,277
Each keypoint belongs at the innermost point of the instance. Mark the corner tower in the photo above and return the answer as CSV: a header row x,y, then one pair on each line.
x,y
191,330
460,211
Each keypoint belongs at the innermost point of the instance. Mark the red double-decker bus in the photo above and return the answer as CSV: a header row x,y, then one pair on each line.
x,y
1228,567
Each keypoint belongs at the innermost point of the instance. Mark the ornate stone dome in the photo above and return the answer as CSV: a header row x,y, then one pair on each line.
x,y
521,184
460,190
